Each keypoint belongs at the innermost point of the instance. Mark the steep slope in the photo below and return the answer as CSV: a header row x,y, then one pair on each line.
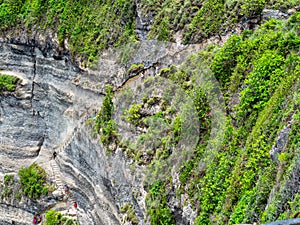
x,y
205,138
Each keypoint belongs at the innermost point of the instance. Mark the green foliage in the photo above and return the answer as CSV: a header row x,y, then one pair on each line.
x,y
8,182
112,23
185,172
33,181
203,18
104,125
130,214
133,114
207,20
264,78
176,129
258,71
261,68
8,83
225,61
7,192
9,10
135,68
157,208
56,218
18,196
8,179
106,23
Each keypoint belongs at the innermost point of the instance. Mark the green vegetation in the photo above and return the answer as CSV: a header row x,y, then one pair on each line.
x,y
130,214
157,119
56,218
105,23
259,74
135,68
263,67
133,114
7,83
112,23
8,179
33,181
104,124
8,186
203,18
157,207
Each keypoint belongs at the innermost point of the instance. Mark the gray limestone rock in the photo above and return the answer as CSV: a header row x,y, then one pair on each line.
x,y
273,14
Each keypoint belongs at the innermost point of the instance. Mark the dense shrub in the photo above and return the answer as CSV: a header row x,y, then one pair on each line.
x,y
33,181
56,218
106,23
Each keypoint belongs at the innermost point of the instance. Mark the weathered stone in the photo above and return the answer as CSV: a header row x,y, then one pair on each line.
x,y
273,14
281,141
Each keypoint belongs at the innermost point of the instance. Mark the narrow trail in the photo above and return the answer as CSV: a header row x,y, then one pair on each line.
x,y
176,57
68,197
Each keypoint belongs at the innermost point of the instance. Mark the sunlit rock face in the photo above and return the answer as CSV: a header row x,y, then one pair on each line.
x,y
41,114
44,111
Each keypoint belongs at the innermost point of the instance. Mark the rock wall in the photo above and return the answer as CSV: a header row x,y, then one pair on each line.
x,y
40,114
44,112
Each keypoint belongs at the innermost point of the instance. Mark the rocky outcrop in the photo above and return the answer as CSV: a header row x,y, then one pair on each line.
x,y
12,215
273,14
143,23
281,141
40,114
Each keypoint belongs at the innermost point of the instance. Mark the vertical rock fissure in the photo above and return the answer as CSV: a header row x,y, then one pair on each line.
x,y
33,55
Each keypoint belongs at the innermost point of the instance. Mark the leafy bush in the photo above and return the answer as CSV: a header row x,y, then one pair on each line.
x,y
8,83
135,68
53,217
133,114
56,218
33,181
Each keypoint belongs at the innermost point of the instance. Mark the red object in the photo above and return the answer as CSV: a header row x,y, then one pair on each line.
x,y
34,220
75,205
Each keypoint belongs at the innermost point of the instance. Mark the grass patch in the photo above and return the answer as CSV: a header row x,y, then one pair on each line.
x,y
8,83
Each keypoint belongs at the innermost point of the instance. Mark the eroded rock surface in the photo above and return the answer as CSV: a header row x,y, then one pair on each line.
x,y
46,111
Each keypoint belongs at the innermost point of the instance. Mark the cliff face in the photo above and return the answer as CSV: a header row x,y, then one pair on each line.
x,y
39,115
46,113
254,177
